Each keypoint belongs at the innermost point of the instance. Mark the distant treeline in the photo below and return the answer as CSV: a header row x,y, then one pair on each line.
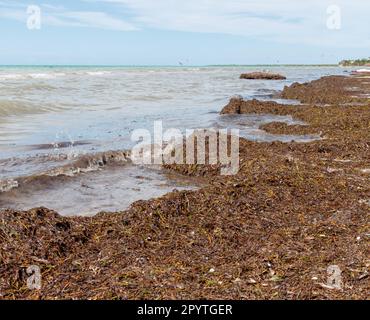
x,y
358,62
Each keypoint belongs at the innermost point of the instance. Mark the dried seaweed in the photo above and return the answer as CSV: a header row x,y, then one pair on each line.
x,y
269,232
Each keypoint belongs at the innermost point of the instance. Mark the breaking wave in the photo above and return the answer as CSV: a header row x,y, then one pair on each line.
x,y
15,107
81,164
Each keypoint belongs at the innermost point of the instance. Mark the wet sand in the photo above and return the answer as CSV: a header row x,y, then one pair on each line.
x,y
269,232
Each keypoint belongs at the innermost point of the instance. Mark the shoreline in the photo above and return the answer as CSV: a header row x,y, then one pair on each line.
x,y
171,66
270,232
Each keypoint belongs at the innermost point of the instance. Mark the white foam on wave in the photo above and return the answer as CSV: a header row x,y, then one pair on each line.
x,y
98,73
7,185
24,76
51,75
193,69
12,76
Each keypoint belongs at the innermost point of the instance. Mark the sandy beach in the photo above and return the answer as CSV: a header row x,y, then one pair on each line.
x,y
269,232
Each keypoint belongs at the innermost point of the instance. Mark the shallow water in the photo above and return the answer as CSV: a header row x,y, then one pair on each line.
x,y
51,115
110,190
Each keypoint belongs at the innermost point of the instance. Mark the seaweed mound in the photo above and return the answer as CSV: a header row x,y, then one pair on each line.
x,y
326,90
262,76
238,105
274,230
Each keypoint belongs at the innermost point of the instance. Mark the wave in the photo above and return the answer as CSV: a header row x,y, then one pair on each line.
x,y
94,162
14,107
46,75
151,98
7,185
36,86
24,76
98,73
12,76
39,75
80,165
10,107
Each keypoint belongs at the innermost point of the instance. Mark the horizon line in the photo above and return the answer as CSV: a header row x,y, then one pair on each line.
x,y
169,65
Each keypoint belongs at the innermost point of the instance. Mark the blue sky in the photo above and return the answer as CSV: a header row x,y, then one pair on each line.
x,y
194,32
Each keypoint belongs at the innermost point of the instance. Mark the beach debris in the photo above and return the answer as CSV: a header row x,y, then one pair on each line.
x,y
278,222
262,76
361,72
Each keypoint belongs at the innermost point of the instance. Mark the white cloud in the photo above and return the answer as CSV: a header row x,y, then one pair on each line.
x,y
282,20
13,14
61,17
100,20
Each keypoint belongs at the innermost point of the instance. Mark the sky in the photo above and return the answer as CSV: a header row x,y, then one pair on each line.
x,y
190,32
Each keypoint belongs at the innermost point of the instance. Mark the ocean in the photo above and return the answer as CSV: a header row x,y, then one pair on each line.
x,y
51,116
